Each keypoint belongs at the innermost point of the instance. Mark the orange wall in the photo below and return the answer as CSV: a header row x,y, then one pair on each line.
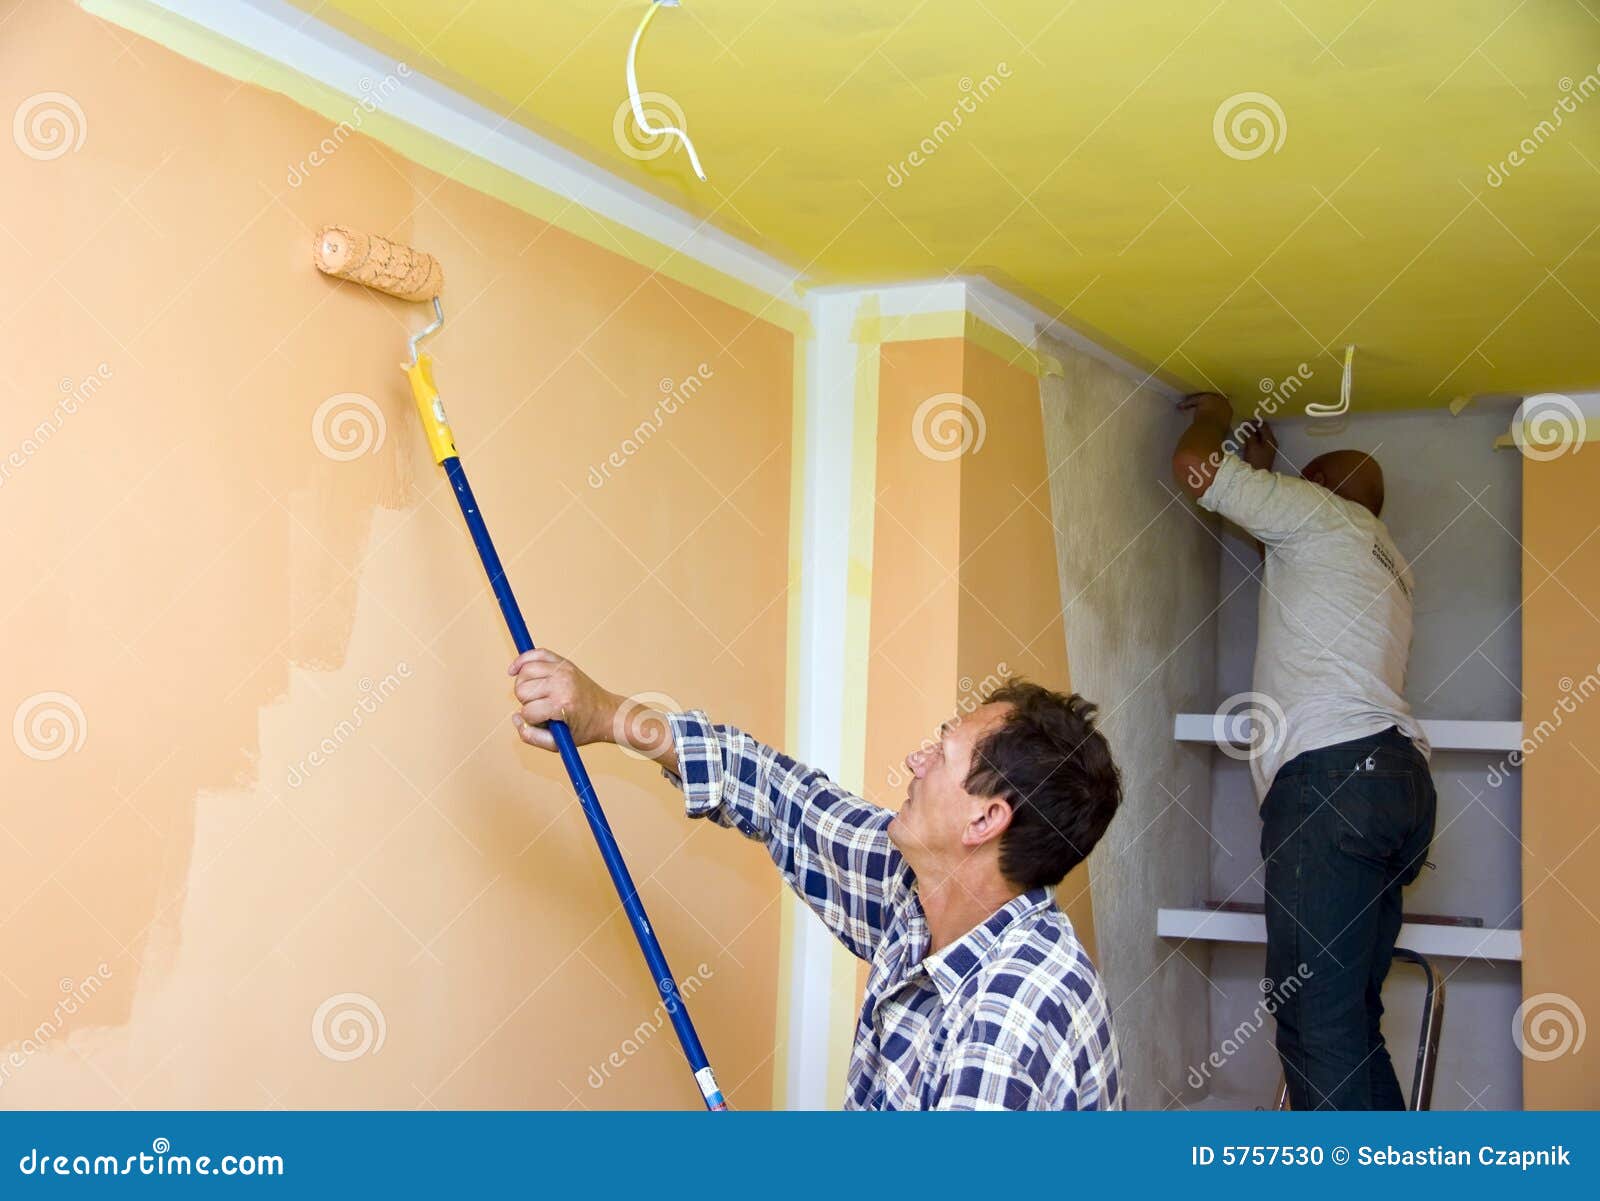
x,y
916,593
1560,777
964,582
219,599
1010,585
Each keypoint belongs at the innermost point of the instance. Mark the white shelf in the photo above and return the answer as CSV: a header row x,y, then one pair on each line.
x,y
1449,942
1444,735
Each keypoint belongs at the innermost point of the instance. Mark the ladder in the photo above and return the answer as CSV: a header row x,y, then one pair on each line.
x,y
1427,1038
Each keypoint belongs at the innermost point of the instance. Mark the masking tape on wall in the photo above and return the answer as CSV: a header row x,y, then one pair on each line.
x,y
874,330
788,913
844,984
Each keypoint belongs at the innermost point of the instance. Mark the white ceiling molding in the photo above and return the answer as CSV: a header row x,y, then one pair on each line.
x,y
1022,321
282,33
287,35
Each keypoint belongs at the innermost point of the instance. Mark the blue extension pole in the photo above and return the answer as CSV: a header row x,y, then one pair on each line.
x,y
609,851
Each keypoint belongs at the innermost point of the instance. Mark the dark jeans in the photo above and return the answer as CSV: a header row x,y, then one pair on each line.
x,y
1344,829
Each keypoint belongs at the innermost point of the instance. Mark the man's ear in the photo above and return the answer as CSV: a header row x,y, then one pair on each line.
x,y
990,819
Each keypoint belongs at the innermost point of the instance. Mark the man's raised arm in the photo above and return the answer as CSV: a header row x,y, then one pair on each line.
x,y
1201,448
831,846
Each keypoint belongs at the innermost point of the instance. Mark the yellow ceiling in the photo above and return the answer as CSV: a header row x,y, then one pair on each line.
x,y
1087,174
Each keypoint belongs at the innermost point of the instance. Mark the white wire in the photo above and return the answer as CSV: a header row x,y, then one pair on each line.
x,y
1343,407
655,131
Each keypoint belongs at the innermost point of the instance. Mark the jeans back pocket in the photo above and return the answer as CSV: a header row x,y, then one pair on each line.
x,y
1375,811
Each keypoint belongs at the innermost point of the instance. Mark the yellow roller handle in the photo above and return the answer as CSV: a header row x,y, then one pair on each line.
x,y
430,408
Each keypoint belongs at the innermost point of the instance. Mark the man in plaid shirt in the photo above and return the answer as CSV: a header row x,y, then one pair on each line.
x,y
980,995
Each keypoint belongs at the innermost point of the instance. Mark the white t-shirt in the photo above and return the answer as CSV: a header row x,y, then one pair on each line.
x,y
1335,617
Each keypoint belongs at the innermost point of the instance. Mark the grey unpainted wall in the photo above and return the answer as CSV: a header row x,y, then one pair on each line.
x,y
1138,586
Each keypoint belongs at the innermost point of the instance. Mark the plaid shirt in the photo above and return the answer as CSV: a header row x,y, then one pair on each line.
x,y
1009,1016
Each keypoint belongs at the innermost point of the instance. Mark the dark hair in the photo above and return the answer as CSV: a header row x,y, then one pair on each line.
x,y
1055,771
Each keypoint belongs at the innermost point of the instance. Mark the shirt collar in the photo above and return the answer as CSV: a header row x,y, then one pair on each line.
x,y
949,967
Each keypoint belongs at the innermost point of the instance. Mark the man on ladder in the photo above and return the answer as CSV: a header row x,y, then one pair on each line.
x,y
1342,770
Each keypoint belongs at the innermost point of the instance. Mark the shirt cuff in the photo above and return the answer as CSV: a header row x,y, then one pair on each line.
x,y
700,757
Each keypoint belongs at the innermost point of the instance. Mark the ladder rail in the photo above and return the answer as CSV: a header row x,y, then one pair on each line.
x,y
1428,1036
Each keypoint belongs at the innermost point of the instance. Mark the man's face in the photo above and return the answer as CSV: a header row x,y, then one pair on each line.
x,y
939,821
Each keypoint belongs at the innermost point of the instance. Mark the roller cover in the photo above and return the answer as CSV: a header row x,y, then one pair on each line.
x,y
377,262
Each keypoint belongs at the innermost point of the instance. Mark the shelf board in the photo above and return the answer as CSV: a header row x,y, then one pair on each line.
x,y
1443,734
1449,942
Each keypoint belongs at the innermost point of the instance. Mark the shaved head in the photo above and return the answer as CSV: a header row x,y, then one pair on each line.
x,y
1352,474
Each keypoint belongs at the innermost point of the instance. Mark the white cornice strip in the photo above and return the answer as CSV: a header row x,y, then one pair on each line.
x,y
287,35
994,306
315,49
899,300
1020,320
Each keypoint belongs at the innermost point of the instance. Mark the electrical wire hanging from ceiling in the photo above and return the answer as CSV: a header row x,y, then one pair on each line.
x,y
639,116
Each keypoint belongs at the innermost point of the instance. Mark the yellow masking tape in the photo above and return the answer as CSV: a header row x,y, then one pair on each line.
x,y
920,327
869,327
789,905
1012,351
843,981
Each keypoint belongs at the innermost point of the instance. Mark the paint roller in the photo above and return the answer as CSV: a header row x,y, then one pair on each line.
x,y
402,271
